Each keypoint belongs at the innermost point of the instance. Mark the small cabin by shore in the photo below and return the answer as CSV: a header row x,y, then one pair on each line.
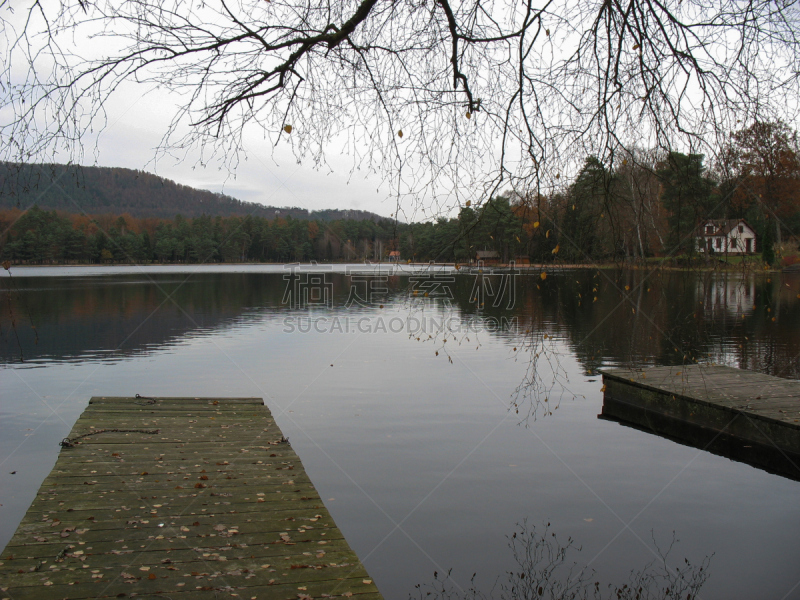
x,y
727,236
488,257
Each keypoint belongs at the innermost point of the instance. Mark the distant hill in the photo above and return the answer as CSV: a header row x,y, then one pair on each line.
x,y
98,190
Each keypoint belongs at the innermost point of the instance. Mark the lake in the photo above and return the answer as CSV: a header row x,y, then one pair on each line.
x,y
435,410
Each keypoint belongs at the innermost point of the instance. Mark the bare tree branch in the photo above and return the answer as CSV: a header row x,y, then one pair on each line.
x,y
485,94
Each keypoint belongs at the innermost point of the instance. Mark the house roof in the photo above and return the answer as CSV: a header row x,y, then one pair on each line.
x,y
721,226
488,254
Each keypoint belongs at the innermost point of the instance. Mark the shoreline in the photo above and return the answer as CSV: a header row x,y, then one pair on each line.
x,y
533,268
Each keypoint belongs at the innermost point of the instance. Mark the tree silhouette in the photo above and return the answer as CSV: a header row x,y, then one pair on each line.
x,y
765,159
461,97
687,197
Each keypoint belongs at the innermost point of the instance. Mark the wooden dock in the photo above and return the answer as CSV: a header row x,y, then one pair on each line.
x,y
179,498
743,415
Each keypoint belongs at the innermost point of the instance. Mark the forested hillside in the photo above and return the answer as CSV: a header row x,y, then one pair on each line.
x,y
113,190
645,205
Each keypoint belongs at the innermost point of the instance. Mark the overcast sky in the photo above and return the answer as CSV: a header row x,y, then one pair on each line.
x,y
137,121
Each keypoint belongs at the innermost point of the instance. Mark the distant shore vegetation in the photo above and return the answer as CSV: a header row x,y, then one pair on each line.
x,y
645,208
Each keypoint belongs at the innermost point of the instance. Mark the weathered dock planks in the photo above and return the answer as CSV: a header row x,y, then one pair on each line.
x,y
179,498
744,415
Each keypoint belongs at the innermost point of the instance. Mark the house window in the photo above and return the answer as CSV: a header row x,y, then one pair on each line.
x,y
719,243
734,243
709,229
741,228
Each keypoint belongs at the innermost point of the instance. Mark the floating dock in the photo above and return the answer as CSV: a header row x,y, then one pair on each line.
x,y
743,415
179,498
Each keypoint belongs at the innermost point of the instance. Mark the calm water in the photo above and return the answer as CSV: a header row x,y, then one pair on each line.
x,y
421,457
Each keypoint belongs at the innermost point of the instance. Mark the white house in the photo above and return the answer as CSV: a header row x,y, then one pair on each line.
x,y
728,236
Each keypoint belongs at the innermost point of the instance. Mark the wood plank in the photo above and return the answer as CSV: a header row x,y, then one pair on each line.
x,y
214,504
758,415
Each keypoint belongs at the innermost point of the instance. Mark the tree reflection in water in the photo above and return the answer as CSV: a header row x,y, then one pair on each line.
x,y
545,568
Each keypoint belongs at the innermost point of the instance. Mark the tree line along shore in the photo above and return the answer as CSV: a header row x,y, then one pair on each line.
x,y
646,207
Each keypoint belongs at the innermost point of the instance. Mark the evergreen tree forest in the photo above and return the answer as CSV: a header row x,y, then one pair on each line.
x,y
645,205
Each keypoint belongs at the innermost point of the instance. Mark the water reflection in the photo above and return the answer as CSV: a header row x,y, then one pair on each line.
x,y
392,434
605,317
547,567
761,456
733,294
